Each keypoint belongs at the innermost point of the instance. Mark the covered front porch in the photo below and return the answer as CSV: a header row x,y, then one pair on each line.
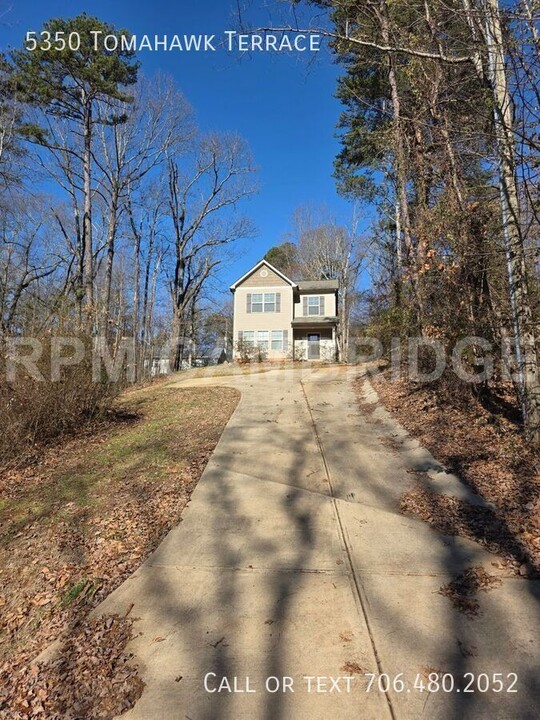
x,y
314,341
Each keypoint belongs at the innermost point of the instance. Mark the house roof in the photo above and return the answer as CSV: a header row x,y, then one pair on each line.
x,y
313,320
310,285
256,267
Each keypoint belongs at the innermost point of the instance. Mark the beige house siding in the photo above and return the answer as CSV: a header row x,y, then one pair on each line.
x,y
263,321
330,309
271,279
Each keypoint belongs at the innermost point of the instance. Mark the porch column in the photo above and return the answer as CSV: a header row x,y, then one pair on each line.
x,y
334,341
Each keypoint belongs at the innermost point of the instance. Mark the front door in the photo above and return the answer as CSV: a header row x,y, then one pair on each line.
x,y
314,346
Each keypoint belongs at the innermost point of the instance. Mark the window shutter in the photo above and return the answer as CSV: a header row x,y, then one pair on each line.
x,y
240,335
248,306
285,341
321,304
278,302
304,308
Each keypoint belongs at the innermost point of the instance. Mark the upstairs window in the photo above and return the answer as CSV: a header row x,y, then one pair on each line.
x,y
263,302
313,305
256,302
269,302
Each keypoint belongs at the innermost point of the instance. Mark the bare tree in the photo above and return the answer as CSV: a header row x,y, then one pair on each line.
x,y
136,139
24,258
10,116
145,212
62,162
202,205
330,251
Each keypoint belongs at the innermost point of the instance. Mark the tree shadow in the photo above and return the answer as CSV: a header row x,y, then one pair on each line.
x,y
489,638
221,595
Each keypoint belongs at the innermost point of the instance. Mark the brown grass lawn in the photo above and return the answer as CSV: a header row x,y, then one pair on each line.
x,y
81,517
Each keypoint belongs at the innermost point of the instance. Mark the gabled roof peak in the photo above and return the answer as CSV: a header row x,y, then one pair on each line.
x,y
256,267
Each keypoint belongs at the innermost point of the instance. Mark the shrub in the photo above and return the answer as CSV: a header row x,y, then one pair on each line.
x,y
34,411
247,352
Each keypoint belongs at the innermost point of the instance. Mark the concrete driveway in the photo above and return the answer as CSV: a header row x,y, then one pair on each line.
x,y
294,577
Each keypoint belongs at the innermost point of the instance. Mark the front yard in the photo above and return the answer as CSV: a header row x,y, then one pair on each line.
x,y
78,521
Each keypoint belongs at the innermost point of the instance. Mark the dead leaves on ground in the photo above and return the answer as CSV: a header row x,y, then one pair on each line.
x,y
90,676
67,559
462,590
452,516
488,451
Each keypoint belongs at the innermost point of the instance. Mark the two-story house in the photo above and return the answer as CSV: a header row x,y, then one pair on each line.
x,y
283,318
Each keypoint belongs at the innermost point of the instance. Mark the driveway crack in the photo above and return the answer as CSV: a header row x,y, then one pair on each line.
x,y
357,582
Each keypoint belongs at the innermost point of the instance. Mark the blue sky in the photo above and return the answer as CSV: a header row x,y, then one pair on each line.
x,y
281,104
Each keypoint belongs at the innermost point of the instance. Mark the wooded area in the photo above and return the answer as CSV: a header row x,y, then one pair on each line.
x,y
440,132
109,193
116,211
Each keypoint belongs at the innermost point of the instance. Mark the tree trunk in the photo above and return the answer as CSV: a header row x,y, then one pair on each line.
x,y
111,242
135,315
87,219
178,332
401,171
120,315
526,356
145,300
399,256
191,333
149,313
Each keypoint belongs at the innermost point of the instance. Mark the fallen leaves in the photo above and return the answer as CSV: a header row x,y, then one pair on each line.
x,y
106,502
352,668
489,528
90,677
462,590
485,447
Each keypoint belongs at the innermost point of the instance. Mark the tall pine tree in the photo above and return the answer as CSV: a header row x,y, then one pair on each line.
x,y
70,83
